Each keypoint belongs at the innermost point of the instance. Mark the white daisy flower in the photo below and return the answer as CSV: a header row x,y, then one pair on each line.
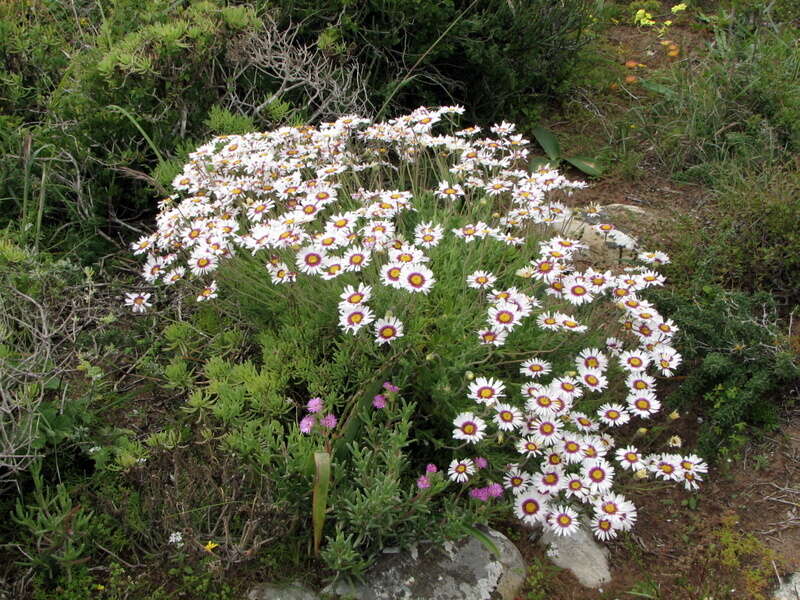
x,y
640,382
310,261
591,359
535,367
355,316
480,280
613,414
530,507
593,381
516,480
468,427
139,303
550,481
356,295
449,191
563,521
603,528
391,275
643,404
528,446
387,330
634,361
629,458
209,292
486,390
507,417
598,473
494,337
461,470
504,315
416,278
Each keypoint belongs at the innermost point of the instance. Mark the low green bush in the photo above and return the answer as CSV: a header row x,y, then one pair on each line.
x,y
492,56
741,370
739,107
368,255
750,236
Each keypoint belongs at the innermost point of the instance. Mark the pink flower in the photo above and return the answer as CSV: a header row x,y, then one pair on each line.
x,y
314,405
379,401
423,482
329,421
307,423
481,462
495,490
390,387
431,468
481,494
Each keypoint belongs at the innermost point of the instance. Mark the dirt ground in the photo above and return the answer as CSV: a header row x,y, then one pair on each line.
x,y
734,539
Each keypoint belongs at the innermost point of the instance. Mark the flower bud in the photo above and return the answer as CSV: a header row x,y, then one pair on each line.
x,y
674,415
469,375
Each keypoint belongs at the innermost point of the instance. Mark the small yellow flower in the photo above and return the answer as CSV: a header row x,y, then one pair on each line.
x,y
209,547
642,17
674,415
640,474
678,8
640,432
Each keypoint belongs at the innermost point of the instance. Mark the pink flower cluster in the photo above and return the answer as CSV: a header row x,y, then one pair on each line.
x,y
314,408
379,400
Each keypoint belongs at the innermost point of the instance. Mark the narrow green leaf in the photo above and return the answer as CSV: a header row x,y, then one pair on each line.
x,y
548,142
539,161
587,165
319,503
483,539
657,88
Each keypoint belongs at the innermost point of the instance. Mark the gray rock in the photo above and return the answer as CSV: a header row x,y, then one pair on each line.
x,y
465,570
789,590
581,555
623,208
273,591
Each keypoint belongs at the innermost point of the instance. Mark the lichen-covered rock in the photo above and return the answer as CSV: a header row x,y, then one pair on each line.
x,y
789,590
273,591
580,554
466,570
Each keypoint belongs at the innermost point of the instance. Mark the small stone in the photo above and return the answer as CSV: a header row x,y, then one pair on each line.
x,y
273,591
790,590
581,555
464,570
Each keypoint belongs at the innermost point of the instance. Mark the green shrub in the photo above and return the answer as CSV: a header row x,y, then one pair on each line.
x,y
491,56
739,107
750,238
390,251
740,370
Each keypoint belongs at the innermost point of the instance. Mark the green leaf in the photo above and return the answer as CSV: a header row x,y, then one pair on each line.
x,y
548,142
483,539
656,88
539,161
319,503
587,165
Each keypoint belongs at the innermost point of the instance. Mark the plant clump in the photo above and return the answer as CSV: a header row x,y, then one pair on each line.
x,y
435,260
